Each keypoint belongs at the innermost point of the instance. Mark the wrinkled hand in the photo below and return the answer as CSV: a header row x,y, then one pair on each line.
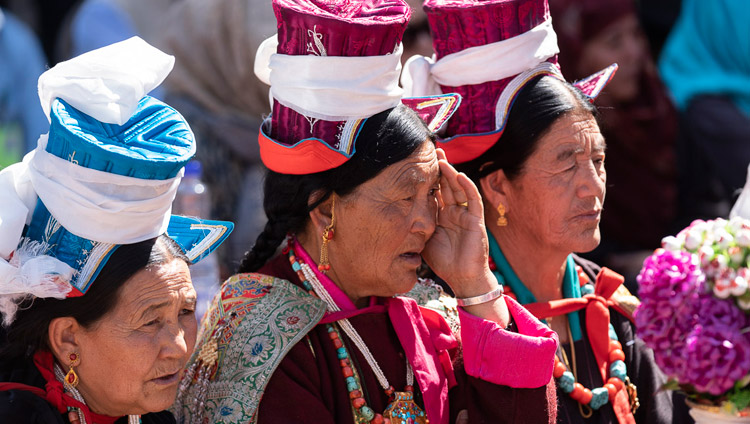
x,y
458,250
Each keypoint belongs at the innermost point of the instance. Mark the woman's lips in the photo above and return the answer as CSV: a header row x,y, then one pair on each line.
x,y
167,379
592,215
412,258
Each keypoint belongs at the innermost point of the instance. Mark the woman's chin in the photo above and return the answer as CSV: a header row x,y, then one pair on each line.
x,y
587,244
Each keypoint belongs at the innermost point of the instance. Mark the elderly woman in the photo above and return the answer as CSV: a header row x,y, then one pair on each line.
x,y
95,291
638,121
318,333
531,142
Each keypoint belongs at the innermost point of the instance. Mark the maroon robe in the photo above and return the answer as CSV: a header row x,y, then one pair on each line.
x,y
308,386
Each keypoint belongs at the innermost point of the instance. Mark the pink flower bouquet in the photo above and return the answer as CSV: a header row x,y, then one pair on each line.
x,y
694,311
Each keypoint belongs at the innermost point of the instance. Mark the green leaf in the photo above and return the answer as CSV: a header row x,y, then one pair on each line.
x,y
740,399
671,384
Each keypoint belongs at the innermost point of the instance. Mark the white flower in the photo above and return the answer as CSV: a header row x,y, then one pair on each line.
x,y
739,286
671,243
735,224
693,239
721,288
743,238
723,238
705,253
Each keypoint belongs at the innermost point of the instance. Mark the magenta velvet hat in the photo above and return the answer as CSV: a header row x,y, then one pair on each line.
x,y
486,51
332,65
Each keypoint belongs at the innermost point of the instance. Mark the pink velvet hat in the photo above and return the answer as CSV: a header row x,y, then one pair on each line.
x,y
486,51
332,65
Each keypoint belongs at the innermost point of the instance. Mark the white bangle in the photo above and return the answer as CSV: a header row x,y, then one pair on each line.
x,y
482,298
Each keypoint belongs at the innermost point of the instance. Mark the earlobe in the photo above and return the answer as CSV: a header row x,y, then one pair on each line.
x,y
64,338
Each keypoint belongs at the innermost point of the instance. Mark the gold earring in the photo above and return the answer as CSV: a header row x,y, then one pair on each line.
x,y
71,378
502,221
323,264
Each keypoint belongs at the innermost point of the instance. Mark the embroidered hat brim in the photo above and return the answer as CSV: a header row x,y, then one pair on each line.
x,y
466,147
196,237
314,155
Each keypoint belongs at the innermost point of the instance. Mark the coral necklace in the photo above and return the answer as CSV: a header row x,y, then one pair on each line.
x,y
590,399
402,409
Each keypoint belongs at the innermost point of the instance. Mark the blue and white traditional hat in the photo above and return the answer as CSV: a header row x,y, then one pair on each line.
x,y
105,175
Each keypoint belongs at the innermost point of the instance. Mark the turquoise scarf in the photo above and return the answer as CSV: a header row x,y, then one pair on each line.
x,y
506,276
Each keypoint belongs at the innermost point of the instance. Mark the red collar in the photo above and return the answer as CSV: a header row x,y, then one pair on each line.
x,y
55,393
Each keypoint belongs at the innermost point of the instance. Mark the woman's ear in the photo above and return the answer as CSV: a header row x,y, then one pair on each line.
x,y
64,338
321,216
495,189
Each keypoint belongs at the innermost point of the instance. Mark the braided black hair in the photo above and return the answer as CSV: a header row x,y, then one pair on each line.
x,y
385,138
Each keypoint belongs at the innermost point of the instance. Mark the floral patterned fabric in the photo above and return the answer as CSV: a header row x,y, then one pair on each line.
x,y
280,318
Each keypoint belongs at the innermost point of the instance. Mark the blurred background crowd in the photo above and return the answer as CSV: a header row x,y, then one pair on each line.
x,y
676,116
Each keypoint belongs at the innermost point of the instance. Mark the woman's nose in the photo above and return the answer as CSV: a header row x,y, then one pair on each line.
x,y
425,217
591,181
175,343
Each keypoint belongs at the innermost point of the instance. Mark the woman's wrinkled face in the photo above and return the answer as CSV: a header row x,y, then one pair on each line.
x,y
383,226
132,359
623,43
557,199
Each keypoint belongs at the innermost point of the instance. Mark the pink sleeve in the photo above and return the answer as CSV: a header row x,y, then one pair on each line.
x,y
521,360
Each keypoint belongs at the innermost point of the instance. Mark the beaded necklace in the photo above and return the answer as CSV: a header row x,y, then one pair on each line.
x,y
402,409
590,399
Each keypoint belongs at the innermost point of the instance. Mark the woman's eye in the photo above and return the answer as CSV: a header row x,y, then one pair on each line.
x,y
434,191
187,311
151,323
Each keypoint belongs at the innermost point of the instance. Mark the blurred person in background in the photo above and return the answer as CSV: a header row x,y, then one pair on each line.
x,y
706,66
45,18
22,61
214,87
92,24
417,39
637,120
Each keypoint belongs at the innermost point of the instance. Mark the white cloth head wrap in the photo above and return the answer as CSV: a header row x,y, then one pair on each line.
x,y
741,207
106,84
332,88
423,76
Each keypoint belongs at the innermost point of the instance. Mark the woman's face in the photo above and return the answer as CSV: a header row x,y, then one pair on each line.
x,y
623,43
132,359
383,226
557,198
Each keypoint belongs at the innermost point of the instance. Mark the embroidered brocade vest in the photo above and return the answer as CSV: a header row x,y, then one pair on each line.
x,y
253,322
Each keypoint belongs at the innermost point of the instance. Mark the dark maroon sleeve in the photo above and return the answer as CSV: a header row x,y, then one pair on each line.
x,y
293,394
485,402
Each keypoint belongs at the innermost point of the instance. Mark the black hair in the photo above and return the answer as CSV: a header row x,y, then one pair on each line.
x,y
539,104
385,138
29,331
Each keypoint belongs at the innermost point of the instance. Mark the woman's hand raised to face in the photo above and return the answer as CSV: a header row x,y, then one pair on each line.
x,y
458,249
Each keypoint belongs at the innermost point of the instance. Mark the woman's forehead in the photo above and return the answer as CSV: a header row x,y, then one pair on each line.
x,y
572,134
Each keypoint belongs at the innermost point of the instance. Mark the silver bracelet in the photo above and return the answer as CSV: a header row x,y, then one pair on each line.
x,y
482,298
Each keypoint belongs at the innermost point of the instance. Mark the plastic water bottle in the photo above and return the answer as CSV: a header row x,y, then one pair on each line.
x,y
193,199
